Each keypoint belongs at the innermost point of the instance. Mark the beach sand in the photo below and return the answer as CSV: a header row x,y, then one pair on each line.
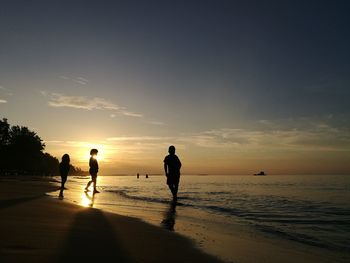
x,y
37,228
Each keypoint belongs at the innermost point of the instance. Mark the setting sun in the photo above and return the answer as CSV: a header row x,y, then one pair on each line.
x,y
83,153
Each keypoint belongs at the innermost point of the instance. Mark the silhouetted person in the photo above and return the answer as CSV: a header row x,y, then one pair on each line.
x,y
172,167
138,175
146,175
64,169
93,170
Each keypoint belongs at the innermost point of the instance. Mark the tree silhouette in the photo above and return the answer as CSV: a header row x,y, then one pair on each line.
x,y
49,165
4,144
21,152
4,132
26,146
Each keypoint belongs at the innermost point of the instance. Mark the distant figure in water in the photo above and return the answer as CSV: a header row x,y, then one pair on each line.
x,y
64,169
146,175
93,170
172,167
138,175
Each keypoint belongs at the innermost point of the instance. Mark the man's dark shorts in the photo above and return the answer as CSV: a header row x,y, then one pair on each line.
x,y
173,179
93,175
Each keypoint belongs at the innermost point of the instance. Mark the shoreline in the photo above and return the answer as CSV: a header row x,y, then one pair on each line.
x,y
230,240
67,222
39,228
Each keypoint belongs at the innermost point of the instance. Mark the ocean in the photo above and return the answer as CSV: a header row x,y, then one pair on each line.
x,y
306,212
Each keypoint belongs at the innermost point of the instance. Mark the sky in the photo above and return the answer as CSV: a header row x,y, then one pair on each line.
x,y
236,86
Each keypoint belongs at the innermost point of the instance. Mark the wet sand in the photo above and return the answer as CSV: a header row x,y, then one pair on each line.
x,y
231,241
37,228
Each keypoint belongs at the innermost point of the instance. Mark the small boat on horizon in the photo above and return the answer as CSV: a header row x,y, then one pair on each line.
x,y
261,173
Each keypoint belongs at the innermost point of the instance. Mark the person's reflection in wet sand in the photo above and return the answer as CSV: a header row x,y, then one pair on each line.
x,y
90,198
168,221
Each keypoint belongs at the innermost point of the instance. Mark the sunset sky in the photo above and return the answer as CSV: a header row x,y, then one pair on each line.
x,y
236,86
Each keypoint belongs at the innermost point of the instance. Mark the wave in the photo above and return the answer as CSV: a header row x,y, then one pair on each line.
x,y
297,220
124,194
303,238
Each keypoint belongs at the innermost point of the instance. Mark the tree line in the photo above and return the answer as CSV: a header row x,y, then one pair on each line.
x,y
22,153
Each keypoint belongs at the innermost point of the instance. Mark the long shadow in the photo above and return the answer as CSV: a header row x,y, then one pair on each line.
x,y
15,201
169,216
91,238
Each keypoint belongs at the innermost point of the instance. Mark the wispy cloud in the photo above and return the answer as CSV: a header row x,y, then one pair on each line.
x,y
139,138
131,114
289,135
81,102
157,123
44,93
58,100
79,80
2,92
267,138
5,92
298,134
135,145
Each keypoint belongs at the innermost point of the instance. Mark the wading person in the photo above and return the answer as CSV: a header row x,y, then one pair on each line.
x,y
93,170
172,167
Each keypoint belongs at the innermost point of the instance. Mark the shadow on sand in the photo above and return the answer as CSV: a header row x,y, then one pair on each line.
x,y
91,238
15,201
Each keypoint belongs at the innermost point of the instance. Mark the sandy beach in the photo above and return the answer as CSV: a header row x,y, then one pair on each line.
x,y
38,228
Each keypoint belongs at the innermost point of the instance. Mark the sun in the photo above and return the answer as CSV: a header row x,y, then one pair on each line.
x,y
105,155
84,152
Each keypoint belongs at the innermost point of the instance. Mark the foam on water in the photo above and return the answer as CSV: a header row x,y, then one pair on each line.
x,y
310,210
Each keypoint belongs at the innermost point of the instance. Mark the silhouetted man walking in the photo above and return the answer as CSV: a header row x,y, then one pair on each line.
x,y
172,167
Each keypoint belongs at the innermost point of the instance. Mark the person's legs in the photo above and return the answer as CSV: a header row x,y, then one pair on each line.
x,y
63,181
94,179
61,192
176,188
88,185
173,190
94,183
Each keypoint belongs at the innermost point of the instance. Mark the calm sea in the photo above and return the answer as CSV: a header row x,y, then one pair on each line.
x,y
311,210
